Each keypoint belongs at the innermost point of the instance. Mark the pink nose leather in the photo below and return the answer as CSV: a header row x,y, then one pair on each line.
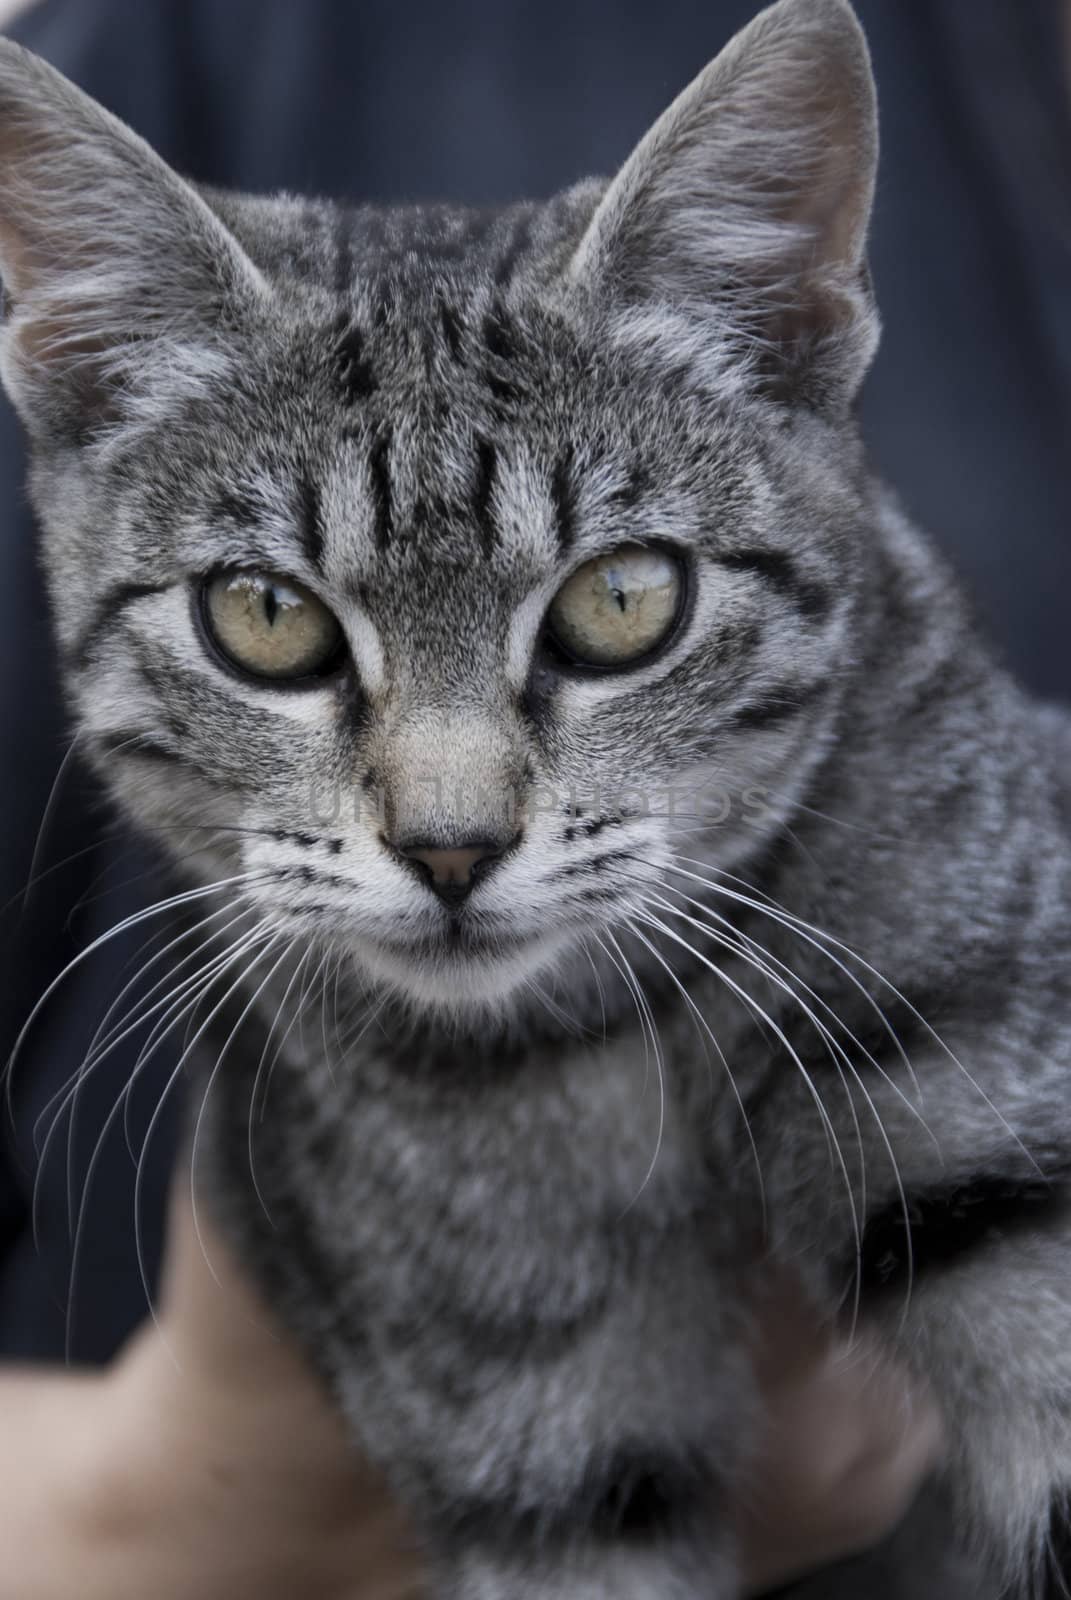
x,y
452,867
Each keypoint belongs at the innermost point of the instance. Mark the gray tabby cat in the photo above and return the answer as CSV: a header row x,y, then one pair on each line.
x,y
617,861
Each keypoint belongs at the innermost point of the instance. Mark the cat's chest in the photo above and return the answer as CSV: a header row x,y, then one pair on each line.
x,y
476,1192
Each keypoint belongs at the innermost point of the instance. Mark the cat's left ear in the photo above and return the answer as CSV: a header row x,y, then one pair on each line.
x,y
747,205
115,271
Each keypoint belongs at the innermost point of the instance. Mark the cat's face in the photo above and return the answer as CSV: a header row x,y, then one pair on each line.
x,y
440,580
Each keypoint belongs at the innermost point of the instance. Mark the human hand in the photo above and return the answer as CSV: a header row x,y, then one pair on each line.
x,y
206,1462
209,1462
847,1444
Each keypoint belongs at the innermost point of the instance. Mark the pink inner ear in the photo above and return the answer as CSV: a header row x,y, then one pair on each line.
x,y
20,264
749,202
54,339
103,249
761,172
39,248
835,199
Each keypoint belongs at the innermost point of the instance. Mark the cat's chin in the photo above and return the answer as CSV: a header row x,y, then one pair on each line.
x,y
460,981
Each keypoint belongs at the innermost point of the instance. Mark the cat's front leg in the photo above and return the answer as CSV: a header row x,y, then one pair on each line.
x,y
621,1569
991,1336
587,1489
644,1524
593,1459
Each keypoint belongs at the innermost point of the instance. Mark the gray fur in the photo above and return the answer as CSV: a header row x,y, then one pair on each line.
x,y
494,1169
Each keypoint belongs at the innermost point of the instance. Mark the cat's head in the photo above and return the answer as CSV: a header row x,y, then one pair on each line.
x,y
440,578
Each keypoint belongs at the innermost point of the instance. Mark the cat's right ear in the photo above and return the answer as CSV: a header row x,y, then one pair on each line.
x,y
114,269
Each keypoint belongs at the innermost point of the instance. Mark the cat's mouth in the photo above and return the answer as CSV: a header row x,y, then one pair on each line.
x,y
460,965
458,940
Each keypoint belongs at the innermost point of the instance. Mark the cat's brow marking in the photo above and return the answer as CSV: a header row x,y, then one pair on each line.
x,y
483,494
233,506
382,499
355,371
632,489
563,497
452,330
310,522
500,349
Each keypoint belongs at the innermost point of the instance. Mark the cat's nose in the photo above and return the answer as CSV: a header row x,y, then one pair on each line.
x,y
452,871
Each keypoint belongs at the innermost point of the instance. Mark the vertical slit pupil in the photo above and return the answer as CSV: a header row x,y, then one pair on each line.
x,y
271,606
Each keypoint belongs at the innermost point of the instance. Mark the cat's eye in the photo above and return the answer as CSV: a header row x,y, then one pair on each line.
x,y
269,626
615,610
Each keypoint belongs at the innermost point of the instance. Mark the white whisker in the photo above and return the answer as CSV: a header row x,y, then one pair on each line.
x,y
220,1058
768,956
295,977
789,919
235,954
67,1094
185,897
836,1153
650,1028
263,937
841,1061
702,1025
765,905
